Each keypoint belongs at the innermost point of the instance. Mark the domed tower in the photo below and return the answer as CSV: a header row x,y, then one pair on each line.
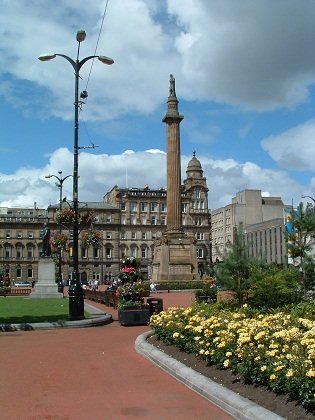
x,y
194,175
195,185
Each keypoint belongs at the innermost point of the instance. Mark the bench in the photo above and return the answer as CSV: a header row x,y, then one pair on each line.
x,y
17,291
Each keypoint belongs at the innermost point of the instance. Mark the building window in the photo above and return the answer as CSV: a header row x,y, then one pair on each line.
x,y
153,235
198,221
163,207
108,235
108,218
96,252
163,220
200,253
108,252
8,234
19,252
143,236
184,208
123,220
133,206
8,252
30,234
30,272
19,234
197,194
143,220
123,206
84,252
153,207
143,252
30,252
143,206
134,252
18,272
200,236
153,220
133,235
122,235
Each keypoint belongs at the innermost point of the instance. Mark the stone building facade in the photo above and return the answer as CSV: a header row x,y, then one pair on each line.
x,y
128,219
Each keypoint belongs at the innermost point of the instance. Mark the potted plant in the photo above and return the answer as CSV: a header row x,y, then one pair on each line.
x,y
208,293
87,218
133,312
91,237
66,215
131,307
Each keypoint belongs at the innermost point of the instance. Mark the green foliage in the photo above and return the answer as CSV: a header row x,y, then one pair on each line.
x,y
233,273
208,292
129,304
300,242
274,286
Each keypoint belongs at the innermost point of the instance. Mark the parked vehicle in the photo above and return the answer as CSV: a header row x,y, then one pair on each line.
x,y
23,284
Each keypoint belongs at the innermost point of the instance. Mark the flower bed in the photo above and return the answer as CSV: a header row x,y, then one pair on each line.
x,y
276,350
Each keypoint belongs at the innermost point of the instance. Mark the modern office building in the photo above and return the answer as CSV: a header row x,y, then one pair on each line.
x,y
261,220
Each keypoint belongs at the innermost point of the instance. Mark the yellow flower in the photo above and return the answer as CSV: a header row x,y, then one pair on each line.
x,y
226,363
310,373
272,377
263,368
176,335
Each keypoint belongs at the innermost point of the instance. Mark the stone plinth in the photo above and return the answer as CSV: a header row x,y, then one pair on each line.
x,y
46,287
175,258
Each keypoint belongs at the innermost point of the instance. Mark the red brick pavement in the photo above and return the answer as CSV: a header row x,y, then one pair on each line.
x,y
92,374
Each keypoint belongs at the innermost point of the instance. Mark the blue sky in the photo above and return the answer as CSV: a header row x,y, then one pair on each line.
x,y
245,76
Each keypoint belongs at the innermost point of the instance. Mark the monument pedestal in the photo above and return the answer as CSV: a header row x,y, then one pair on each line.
x,y
46,287
175,258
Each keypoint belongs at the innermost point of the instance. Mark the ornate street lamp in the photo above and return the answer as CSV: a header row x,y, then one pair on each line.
x,y
59,185
313,199
76,299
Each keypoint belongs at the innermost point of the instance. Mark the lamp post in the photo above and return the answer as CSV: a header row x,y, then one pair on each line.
x,y
76,299
60,180
313,199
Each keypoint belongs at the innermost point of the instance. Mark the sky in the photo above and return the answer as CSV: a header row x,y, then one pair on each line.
x,y
245,82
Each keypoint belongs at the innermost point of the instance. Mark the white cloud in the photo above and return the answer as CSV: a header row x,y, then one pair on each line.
x,y
293,149
247,53
100,173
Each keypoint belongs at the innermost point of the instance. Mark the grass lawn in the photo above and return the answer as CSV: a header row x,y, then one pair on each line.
x,y
20,310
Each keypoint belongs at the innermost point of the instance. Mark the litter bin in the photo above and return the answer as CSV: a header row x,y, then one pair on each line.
x,y
155,305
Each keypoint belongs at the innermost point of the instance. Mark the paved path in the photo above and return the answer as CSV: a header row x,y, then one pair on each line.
x,y
92,374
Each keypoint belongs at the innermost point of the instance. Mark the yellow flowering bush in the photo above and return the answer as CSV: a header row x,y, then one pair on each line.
x,y
276,350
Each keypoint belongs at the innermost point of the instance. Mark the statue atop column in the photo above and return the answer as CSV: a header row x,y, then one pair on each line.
x,y
172,85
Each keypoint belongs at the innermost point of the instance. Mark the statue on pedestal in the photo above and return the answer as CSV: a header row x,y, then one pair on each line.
x,y
46,249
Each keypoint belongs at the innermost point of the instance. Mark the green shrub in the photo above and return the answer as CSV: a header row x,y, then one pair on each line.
x,y
274,287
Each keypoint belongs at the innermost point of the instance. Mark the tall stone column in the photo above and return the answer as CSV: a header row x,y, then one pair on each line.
x,y
173,119
175,257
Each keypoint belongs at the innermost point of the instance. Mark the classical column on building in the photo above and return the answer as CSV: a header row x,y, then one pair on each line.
x,y
175,255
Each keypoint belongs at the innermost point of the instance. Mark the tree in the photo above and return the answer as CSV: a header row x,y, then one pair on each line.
x,y
300,241
234,271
